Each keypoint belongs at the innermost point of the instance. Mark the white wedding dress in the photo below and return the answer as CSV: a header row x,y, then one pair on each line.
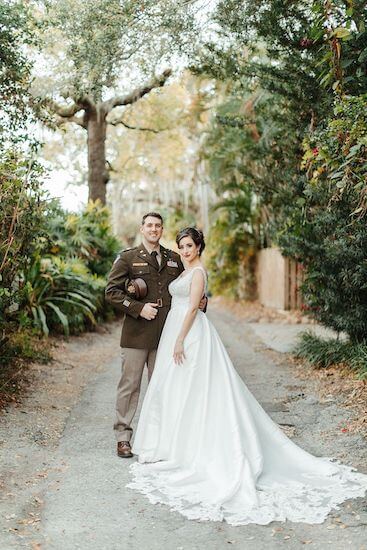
x,y
206,447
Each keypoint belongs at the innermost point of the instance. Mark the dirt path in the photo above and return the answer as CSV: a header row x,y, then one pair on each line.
x,y
64,488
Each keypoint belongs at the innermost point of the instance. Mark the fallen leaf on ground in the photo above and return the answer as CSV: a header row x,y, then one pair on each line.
x,y
276,530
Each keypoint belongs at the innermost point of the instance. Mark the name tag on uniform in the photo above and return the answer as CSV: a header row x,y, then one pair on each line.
x,y
140,263
171,263
126,303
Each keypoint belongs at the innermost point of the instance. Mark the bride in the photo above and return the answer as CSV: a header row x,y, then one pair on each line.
x,y
205,446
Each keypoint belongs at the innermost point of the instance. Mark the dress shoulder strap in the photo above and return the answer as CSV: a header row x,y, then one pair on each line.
x,y
203,270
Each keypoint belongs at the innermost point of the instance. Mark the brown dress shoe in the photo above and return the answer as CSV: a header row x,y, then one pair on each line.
x,y
124,449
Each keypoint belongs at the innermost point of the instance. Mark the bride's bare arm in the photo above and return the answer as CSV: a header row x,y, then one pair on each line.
x,y
196,293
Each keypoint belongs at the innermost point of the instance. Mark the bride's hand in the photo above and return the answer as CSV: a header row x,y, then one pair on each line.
x,y
178,352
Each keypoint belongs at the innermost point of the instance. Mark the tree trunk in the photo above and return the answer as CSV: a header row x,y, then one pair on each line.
x,y
97,171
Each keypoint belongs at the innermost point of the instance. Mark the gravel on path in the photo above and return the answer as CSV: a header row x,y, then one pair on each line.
x,y
64,487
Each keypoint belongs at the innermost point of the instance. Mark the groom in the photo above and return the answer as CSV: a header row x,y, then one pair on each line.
x,y
144,319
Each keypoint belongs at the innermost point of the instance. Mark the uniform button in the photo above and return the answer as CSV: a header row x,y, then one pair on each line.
x,y
159,283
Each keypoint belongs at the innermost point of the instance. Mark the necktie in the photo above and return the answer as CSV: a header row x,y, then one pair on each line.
x,y
154,255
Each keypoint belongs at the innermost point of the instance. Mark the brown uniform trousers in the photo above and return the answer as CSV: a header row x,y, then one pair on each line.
x,y
139,337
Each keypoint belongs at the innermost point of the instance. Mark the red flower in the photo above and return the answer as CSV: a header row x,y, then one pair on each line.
x,y
315,151
305,42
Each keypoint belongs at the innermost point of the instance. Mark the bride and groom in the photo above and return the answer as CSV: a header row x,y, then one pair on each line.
x,y
205,446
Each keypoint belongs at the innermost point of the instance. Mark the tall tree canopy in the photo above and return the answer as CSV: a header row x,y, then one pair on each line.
x,y
108,54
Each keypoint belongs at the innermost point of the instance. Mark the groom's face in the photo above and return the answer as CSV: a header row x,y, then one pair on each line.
x,y
152,230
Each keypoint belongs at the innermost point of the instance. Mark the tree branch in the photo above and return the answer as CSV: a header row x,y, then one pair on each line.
x,y
79,120
143,128
64,111
138,93
68,111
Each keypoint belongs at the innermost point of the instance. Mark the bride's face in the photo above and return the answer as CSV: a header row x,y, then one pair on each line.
x,y
188,250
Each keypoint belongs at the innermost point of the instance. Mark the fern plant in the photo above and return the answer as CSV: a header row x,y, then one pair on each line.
x,y
61,292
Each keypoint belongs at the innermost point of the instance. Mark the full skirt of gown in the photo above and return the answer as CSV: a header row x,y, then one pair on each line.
x,y
207,449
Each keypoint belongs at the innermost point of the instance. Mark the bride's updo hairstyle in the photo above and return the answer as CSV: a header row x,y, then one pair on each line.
x,y
195,234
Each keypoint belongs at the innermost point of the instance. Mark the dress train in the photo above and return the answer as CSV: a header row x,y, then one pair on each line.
x,y
207,448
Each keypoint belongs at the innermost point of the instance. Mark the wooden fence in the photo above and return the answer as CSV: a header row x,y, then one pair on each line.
x,y
278,280
293,279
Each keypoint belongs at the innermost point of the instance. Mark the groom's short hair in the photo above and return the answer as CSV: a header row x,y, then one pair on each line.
x,y
153,215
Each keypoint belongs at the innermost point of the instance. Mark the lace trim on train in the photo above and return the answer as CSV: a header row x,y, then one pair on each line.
x,y
297,503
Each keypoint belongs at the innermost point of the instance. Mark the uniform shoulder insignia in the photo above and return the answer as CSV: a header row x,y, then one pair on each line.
x,y
128,249
122,252
117,258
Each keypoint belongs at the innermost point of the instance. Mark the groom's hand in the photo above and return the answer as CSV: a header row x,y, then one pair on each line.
x,y
203,303
149,311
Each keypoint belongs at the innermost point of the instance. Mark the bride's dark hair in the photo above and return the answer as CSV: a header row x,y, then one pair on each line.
x,y
195,234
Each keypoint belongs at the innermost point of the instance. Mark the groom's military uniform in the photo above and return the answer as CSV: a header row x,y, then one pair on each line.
x,y
139,337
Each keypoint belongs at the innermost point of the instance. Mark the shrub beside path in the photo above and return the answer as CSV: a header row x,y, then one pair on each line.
x,y
63,487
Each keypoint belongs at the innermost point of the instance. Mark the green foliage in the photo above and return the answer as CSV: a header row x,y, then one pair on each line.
x,y
176,219
328,233
339,29
86,236
22,228
62,293
22,225
255,143
324,353
274,58
281,131
233,242
273,97
336,156
15,104
17,348
266,45
22,344
65,284
52,264
108,40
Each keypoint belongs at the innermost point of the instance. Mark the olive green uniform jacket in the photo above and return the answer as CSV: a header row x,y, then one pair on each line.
x,y
136,262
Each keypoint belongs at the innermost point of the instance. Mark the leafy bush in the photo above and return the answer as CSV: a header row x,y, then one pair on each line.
x,y
233,243
22,226
86,236
17,32
326,352
18,346
329,232
52,263
62,292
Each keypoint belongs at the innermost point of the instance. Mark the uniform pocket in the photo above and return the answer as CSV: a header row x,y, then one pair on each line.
x,y
173,272
140,269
